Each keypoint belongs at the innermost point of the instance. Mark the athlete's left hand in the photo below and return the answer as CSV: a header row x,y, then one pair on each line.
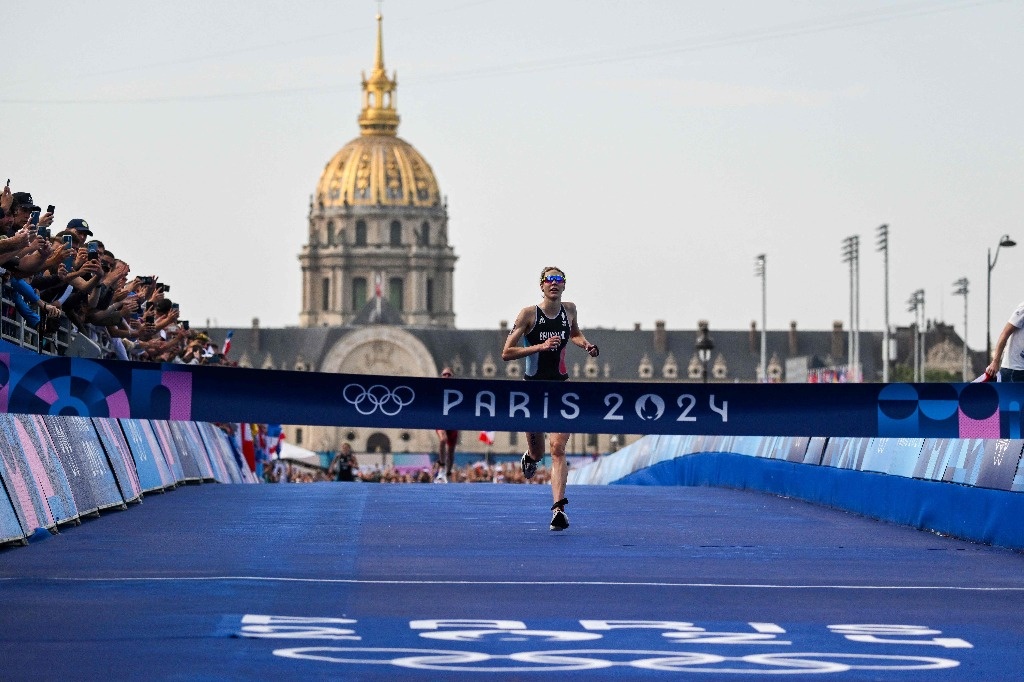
x,y
592,349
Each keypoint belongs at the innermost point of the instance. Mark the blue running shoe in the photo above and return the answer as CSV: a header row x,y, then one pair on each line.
x,y
528,464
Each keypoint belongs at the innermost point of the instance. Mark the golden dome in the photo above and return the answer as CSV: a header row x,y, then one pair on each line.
x,y
378,167
378,170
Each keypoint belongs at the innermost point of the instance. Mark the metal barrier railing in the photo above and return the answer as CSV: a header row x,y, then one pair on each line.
x,y
14,329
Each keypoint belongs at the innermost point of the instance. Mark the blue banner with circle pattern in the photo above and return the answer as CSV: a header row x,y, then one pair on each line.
x,y
35,384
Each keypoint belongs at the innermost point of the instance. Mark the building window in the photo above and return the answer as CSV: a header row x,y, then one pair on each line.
x,y
325,294
424,236
396,233
358,293
513,438
396,293
591,440
360,233
430,295
298,436
330,233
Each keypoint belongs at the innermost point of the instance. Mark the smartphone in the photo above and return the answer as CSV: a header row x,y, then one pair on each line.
x,y
150,318
184,324
50,209
165,288
94,250
174,306
69,260
34,218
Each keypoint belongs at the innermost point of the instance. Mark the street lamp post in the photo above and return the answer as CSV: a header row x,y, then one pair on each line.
x,y
883,246
851,255
915,304
761,270
1007,242
704,347
961,290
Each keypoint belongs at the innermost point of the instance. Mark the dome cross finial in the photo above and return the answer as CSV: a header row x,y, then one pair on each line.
x,y
378,116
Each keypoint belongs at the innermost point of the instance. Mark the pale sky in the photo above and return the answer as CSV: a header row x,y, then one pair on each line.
x,y
650,148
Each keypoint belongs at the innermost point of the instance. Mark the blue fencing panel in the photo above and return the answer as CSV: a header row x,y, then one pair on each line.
x,y
119,455
10,528
217,443
934,455
46,466
190,445
150,462
815,450
989,463
790,448
846,453
85,464
27,497
182,463
211,458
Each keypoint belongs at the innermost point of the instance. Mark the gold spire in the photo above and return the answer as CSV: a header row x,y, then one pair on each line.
x,y
378,116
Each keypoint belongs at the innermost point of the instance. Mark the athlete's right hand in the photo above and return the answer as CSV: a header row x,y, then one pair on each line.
x,y
550,343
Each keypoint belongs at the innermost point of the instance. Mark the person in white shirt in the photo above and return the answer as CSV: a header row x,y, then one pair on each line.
x,y
1009,364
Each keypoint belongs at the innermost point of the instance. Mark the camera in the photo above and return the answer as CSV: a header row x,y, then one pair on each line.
x,y
174,306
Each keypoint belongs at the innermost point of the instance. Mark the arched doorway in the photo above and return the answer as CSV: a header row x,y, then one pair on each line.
x,y
378,444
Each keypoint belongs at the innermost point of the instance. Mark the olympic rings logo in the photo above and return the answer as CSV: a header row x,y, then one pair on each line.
x,y
378,397
595,659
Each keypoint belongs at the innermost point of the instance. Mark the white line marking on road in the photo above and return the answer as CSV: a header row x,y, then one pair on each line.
x,y
524,583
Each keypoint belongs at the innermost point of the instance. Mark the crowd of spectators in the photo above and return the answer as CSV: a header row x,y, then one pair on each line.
x,y
55,277
284,471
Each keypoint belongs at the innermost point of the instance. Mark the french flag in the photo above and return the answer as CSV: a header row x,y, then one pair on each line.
x,y
227,344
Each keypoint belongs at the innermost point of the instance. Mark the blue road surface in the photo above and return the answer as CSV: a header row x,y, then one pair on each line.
x,y
352,581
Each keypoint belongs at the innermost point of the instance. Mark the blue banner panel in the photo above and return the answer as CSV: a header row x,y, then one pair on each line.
x,y
149,460
35,384
217,444
170,440
119,455
40,467
85,464
10,527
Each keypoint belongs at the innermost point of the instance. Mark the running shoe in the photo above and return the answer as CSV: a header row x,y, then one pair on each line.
x,y
528,464
559,521
440,478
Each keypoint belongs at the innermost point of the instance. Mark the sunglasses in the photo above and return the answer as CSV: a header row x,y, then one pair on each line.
x,y
554,279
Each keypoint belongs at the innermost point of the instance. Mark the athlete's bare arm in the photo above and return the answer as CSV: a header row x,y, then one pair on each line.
x,y
525,320
575,335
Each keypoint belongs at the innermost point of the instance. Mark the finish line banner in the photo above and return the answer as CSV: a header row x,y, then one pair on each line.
x,y
36,384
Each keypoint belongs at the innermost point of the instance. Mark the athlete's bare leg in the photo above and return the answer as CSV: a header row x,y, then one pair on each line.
x,y
559,468
535,445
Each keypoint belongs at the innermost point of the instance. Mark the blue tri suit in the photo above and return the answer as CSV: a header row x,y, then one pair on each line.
x,y
547,365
